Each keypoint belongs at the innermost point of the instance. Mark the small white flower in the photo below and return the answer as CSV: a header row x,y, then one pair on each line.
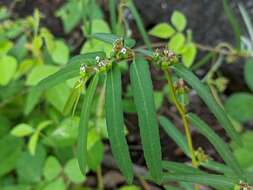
x,y
123,50
171,54
83,68
97,59
96,69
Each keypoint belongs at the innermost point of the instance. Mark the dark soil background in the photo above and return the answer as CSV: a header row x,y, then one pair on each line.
x,y
210,26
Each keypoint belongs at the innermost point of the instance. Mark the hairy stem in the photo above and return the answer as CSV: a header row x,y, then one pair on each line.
x,y
182,112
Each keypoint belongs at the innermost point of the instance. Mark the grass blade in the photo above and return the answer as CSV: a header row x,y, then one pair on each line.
x,y
175,134
71,70
144,101
247,21
215,181
139,23
112,10
83,125
207,97
234,23
115,123
217,142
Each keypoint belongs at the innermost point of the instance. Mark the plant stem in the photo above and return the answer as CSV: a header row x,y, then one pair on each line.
x,y
100,179
182,113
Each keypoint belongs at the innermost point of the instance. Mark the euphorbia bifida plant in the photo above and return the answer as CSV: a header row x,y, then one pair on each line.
x,y
91,66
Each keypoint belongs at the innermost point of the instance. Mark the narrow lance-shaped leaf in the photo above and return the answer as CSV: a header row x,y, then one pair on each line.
x,y
111,38
217,142
144,101
246,18
73,98
234,23
206,96
175,134
71,70
218,167
215,181
113,17
180,140
175,167
115,123
139,23
83,125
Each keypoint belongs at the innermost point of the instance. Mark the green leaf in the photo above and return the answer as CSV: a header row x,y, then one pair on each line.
x,y
72,100
218,167
245,159
111,38
207,97
100,26
217,142
5,46
8,66
58,95
178,20
189,54
71,70
60,52
115,123
175,134
215,181
239,106
17,187
233,22
52,168
29,168
19,51
65,134
176,43
130,187
95,150
140,25
141,84
179,168
73,172
38,73
32,143
22,130
93,45
113,17
83,125
56,184
246,18
11,148
162,30
70,14
248,70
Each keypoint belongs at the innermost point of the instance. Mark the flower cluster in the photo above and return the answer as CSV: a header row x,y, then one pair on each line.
x,y
165,58
119,51
102,65
200,155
